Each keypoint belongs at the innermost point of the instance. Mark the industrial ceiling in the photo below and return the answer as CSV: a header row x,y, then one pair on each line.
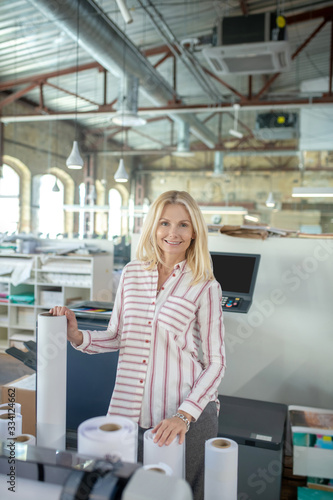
x,y
67,59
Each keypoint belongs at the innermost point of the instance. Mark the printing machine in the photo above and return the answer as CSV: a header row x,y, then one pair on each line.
x,y
34,473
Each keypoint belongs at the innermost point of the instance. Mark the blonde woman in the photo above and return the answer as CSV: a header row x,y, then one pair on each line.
x,y
167,324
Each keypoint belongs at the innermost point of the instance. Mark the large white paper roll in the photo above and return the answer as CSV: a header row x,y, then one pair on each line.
x,y
10,408
10,425
221,466
172,455
109,436
51,381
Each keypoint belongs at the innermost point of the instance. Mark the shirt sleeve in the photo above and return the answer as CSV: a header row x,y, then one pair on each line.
x,y
98,341
210,321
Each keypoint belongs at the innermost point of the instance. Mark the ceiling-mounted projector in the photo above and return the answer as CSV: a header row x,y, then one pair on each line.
x,y
249,45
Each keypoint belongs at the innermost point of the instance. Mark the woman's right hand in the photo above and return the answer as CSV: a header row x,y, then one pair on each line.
x,y
73,333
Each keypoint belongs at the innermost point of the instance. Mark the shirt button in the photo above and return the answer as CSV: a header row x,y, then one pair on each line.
x,y
141,381
144,361
149,322
173,275
162,288
153,303
147,341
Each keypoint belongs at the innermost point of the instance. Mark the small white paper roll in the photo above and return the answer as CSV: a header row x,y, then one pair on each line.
x,y
161,468
17,446
172,455
109,436
221,467
25,439
51,381
10,408
10,426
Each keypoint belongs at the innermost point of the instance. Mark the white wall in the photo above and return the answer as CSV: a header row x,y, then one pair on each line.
x,y
282,349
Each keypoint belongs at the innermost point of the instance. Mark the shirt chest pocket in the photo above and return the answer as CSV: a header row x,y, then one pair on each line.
x,y
176,315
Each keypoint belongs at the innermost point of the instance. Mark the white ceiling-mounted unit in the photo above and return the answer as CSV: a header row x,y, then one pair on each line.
x,y
249,59
248,45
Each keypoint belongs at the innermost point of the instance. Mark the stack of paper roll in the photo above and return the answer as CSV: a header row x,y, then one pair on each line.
x,y
10,408
221,467
173,455
10,420
109,437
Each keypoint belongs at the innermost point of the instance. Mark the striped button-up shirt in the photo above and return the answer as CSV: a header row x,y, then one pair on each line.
x,y
171,344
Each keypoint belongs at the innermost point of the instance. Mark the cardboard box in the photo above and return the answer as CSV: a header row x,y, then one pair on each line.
x,y
25,394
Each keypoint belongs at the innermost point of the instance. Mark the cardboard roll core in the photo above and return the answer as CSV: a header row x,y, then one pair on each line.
x,y
221,443
21,439
110,427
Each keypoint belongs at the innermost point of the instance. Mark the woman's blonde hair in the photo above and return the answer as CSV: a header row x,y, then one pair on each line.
x,y
197,254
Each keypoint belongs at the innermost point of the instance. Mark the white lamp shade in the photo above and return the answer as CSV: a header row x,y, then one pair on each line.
x,y
75,161
121,174
56,188
270,201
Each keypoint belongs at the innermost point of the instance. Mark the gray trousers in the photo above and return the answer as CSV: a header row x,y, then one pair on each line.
x,y
200,431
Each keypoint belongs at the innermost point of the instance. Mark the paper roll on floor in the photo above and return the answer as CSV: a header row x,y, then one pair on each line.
x,y
10,407
161,468
17,447
172,455
109,436
10,425
51,381
221,468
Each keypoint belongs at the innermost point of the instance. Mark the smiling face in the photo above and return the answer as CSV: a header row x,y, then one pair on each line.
x,y
174,232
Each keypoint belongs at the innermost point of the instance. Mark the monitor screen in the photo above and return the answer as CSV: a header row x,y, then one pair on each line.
x,y
235,272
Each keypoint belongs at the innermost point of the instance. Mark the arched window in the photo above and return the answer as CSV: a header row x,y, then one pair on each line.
x,y
9,200
51,206
115,202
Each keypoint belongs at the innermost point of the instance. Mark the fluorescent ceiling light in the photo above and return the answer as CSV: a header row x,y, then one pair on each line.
x,y
235,133
251,218
224,210
87,208
312,192
180,153
127,119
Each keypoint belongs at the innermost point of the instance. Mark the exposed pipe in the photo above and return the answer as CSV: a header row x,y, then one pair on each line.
x,y
107,44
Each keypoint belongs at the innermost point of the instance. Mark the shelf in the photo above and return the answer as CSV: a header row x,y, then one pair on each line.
x,y
65,271
74,278
23,327
21,304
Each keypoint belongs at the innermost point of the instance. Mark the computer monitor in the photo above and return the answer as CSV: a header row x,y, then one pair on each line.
x,y
237,274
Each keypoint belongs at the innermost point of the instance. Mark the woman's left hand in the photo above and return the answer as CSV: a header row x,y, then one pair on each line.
x,y
166,431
